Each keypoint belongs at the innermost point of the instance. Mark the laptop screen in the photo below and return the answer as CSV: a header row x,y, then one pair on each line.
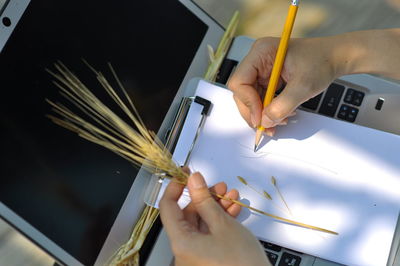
x,y
69,189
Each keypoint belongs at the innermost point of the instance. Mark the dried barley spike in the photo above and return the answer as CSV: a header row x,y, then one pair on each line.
x,y
264,194
273,181
99,124
241,179
268,196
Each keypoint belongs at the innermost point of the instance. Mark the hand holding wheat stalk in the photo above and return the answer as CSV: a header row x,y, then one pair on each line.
x,y
136,144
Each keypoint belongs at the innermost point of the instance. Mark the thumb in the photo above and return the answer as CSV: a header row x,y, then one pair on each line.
x,y
204,203
282,106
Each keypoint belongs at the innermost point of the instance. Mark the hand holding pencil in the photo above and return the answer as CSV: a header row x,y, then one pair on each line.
x,y
278,64
274,76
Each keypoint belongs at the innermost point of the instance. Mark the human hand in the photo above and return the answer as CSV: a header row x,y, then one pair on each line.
x,y
205,232
308,70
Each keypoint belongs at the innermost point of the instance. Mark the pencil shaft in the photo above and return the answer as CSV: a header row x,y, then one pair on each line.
x,y
280,55
279,61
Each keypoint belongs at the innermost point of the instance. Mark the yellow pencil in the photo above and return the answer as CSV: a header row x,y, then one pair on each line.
x,y
278,64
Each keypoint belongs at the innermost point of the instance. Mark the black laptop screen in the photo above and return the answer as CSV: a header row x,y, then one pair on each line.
x,y
69,189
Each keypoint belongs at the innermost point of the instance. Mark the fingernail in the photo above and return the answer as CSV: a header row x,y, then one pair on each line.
x,y
253,120
283,123
266,122
197,181
269,133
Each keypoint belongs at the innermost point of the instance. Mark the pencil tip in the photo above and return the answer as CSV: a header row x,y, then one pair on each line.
x,y
255,147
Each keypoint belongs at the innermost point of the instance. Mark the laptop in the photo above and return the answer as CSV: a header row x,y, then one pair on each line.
x,y
78,201
361,99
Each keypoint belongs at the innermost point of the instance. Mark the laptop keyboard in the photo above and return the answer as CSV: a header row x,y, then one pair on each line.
x,y
279,257
331,100
347,113
354,97
273,258
289,259
331,106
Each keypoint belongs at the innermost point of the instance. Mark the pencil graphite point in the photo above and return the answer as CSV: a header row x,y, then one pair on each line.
x,y
259,136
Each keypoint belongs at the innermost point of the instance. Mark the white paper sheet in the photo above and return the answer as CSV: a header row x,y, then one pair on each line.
x,y
332,174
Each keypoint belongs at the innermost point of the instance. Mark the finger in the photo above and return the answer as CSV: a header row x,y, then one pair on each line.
x,y
243,110
234,210
242,83
233,194
191,215
282,106
230,207
247,72
190,212
207,208
203,227
284,122
219,188
170,213
249,104
270,132
186,169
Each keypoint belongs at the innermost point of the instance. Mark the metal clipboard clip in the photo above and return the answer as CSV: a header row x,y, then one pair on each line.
x,y
188,122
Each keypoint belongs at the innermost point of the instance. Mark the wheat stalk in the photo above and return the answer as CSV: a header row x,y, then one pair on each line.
x,y
136,144
275,184
217,57
128,253
263,194
277,217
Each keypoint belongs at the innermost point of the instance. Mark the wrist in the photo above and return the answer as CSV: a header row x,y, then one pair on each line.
x,y
346,53
372,52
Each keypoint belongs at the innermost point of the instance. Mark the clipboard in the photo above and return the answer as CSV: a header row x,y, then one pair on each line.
x,y
193,125
189,119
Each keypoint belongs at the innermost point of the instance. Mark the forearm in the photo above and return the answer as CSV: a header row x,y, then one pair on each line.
x,y
372,51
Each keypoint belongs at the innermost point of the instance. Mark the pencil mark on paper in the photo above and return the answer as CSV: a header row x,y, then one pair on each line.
x,y
265,154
